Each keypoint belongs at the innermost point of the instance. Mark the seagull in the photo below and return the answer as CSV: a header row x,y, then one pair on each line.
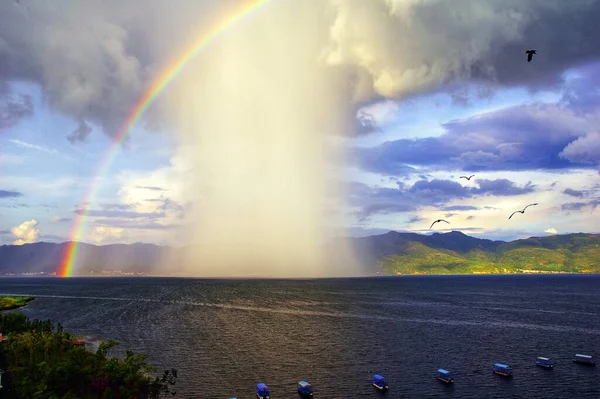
x,y
465,177
523,211
439,220
530,54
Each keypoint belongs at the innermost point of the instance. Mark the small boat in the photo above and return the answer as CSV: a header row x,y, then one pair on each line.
x,y
379,382
304,388
584,359
444,375
544,362
502,369
262,391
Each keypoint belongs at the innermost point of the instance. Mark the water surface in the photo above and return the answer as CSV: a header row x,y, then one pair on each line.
x,y
224,336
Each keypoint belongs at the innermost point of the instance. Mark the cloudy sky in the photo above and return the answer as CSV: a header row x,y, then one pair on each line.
x,y
439,90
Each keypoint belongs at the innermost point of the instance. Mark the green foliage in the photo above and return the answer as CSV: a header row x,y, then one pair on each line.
x,y
576,253
14,302
42,363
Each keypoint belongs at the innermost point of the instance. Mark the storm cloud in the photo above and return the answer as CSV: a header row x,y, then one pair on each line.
x,y
13,106
528,137
10,194
438,192
97,75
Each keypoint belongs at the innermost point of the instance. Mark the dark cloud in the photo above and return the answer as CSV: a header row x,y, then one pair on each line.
x,y
366,124
437,192
93,64
501,187
574,193
573,206
470,217
61,219
371,200
582,91
525,137
449,215
80,134
459,208
107,213
13,107
577,206
10,194
415,219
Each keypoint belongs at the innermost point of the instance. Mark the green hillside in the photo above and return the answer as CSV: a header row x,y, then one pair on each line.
x,y
575,253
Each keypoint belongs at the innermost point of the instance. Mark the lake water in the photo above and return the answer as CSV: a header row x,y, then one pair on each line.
x,y
224,336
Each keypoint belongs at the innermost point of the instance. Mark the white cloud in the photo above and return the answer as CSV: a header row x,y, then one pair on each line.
x,y
101,234
551,230
383,112
40,148
23,144
173,180
26,232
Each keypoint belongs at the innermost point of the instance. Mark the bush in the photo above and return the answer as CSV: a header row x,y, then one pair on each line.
x,y
40,361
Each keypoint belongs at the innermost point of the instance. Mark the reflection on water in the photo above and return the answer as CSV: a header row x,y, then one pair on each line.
x,y
223,336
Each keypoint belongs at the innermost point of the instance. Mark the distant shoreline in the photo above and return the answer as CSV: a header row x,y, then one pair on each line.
x,y
14,302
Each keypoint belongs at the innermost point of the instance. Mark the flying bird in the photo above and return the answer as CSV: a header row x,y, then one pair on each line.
x,y
439,220
523,211
530,54
465,177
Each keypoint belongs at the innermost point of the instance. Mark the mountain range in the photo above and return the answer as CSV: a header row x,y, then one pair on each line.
x,y
389,253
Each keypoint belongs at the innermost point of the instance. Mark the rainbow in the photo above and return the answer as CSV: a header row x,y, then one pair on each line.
x,y
164,79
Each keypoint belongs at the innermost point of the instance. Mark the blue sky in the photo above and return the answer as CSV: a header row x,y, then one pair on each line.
x,y
524,143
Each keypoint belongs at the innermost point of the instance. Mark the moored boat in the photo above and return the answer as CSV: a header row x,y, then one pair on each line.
x,y
304,388
444,375
262,391
544,362
379,382
584,359
502,369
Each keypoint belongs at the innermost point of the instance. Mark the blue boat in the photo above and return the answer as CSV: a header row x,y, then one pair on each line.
x,y
502,369
444,375
584,359
379,382
544,362
262,391
304,388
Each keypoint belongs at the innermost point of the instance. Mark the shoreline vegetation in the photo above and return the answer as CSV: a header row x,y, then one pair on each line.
x,y
14,302
41,360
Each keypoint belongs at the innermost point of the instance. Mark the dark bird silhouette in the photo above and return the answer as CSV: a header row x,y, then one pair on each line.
x,y
523,211
439,220
465,177
530,54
